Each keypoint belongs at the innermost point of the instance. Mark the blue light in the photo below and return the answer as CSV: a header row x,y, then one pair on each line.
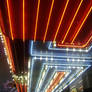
x,y
61,62
50,55
69,49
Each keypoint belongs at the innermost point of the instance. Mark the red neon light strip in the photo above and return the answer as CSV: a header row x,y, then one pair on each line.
x,y
72,21
21,88
74,37
11,31
11,57
25,88
23,20
17,86
61,20
48,20
36,20
7,46
1,23
76,46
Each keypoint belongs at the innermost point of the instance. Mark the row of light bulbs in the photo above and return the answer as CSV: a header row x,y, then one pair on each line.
x,y
68,59
5,51
73,49
75,59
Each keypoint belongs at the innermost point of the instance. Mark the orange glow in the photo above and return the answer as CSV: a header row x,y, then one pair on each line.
x,y
17,86
87,42
55,81
7,46
21,88
23,20
61,20
25,88
74,37
76,46
36,20
72,21
1,23
48,21
9,53
11,31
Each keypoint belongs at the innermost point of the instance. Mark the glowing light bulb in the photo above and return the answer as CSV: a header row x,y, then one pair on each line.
x,y
54,44
74,49
51,59
80,50
83,60
67,49
78,60
73,60
40,58
46,59
35,57
68,59
86,50
51,66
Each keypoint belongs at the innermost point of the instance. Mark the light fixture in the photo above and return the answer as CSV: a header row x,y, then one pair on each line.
x,y
78,60
35,57
51,58
67,49
55,66
54,44
46,59
80,50
86,50
68,59
74,49
41,58
51,66
73,60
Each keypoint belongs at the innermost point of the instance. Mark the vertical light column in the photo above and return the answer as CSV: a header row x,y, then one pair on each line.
x,y
72,21
10,23
48,21
60,22
23,20
36,20
74,36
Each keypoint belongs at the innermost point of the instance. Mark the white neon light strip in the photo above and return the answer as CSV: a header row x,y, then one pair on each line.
x,y
49,55
39,79
69,49
75,78
59,64
55,71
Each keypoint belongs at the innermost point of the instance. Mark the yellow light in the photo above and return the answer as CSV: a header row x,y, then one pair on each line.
x,y
76,46
11,31
72,21
87,42
36,20
61,20
48,21
81,25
